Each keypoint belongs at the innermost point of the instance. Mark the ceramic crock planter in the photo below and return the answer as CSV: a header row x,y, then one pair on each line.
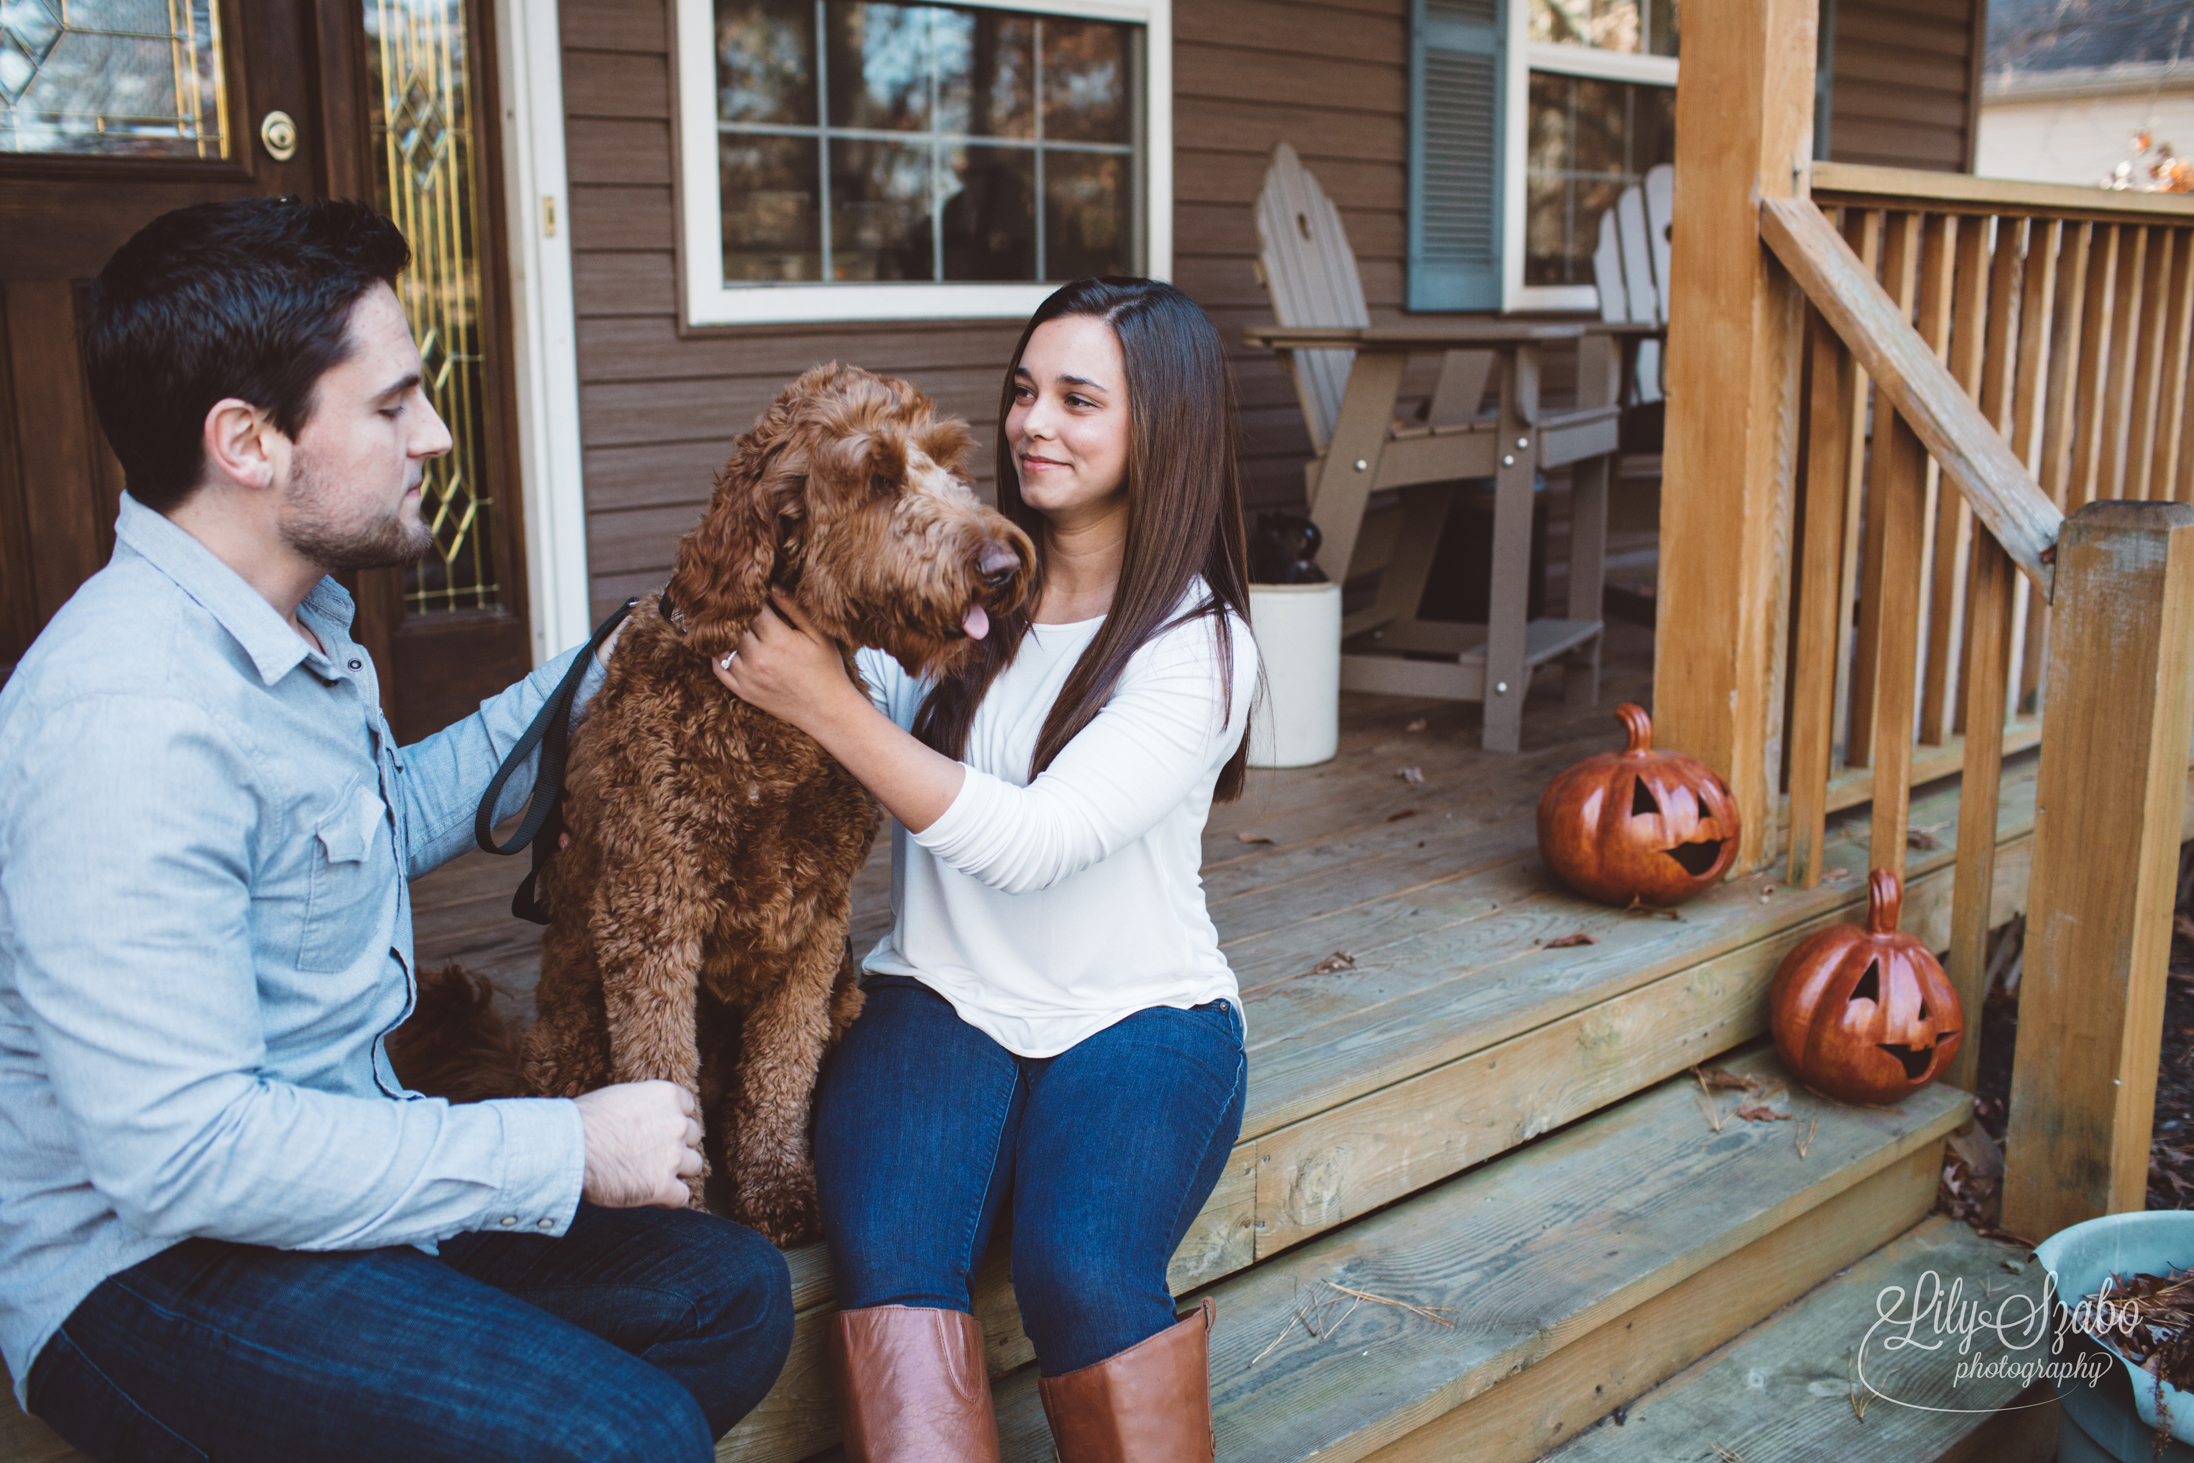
x,y
1863,1013
1638,824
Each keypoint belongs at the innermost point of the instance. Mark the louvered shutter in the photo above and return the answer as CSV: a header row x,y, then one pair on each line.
x,y
1455,124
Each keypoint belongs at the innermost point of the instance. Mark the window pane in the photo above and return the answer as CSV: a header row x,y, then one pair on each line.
x,y
986,63
879,210
879,65
990,213
1588,141
1085,215
126,78
765,61
1085,82
772,218
1637,27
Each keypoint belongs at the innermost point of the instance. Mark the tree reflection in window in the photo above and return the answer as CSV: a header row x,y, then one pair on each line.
x,y
931,143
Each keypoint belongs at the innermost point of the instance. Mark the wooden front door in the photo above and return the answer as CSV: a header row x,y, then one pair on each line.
x,y
113,112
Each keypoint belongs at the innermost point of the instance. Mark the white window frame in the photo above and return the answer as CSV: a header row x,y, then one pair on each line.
x,y
1524,57
709,301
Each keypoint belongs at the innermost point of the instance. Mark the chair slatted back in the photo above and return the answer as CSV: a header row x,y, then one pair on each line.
x,y
1630,267
1660,201
1310,274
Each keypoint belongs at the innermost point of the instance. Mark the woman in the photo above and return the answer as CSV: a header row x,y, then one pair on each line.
x,y
1050,1018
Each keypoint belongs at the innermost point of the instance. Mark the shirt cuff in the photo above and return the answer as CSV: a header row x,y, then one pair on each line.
x,y
544,1166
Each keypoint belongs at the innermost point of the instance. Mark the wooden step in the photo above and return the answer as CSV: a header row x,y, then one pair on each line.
x,y
1785,1389
1581,1270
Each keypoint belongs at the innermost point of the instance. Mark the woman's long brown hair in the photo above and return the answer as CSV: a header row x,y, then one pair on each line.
x,y
1184,517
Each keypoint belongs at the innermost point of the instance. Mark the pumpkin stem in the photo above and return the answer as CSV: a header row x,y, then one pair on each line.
x,y
1885,899
1638,724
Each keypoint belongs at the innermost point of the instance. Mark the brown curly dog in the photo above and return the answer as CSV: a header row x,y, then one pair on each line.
x,y
699,911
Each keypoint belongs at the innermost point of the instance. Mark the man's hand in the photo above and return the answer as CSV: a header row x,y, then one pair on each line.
x,y
643,1142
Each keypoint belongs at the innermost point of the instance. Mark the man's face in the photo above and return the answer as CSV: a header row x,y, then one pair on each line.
x,y
351,498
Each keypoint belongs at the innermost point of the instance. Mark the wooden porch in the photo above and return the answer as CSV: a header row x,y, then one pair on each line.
x,y
1463,1117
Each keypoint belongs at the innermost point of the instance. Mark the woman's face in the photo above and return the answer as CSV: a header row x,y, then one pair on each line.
x,y
1068,425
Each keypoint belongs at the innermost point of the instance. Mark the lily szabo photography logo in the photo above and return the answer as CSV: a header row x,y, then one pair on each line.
x,y
1952,1347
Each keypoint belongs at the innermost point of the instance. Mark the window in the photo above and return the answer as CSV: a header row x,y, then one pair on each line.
x,y
1528,119
848,159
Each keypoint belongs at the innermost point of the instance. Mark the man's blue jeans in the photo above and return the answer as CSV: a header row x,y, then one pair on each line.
x,y
638,1334
926,1128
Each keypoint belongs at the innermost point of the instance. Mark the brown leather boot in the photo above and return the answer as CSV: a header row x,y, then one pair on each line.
x,y
1149,1404
912,1387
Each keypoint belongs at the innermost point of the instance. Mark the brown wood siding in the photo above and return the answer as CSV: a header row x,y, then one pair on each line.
x,y
658,407
1905,83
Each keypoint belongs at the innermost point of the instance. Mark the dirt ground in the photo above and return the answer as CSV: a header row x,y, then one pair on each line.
x,y
1972,1175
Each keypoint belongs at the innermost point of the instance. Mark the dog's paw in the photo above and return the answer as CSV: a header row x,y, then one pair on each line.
x,y
781,1207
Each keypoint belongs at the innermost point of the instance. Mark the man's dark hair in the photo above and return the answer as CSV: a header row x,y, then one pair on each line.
x,y
249,298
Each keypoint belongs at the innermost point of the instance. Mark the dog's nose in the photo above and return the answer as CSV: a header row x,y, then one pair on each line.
x,y
998,565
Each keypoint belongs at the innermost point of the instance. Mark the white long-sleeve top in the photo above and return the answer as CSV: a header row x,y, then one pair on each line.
x,y
1046,911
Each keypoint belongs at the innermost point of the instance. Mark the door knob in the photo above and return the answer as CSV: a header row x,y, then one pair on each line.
x,y
278,135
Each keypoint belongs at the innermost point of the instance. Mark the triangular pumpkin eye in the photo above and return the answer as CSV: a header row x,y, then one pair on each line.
x,y
1869,987
1642,800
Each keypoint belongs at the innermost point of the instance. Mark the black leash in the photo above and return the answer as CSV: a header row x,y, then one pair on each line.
x,y
551,732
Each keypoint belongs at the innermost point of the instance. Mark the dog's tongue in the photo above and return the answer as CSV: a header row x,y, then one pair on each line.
x,y
977,623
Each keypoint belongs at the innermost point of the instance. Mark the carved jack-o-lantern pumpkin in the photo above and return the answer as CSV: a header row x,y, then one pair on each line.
x,y
1866,1015
1638,824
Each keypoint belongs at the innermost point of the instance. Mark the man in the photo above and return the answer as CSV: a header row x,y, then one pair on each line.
x,y
225,1227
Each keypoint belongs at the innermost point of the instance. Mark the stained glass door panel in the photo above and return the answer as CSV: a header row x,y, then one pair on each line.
x,y
113,78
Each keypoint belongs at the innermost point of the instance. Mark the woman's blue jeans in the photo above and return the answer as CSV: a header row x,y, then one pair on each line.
x,y
638,1334
927,1131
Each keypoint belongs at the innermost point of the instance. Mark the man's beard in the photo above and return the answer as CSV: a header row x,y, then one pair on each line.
x,y
314,527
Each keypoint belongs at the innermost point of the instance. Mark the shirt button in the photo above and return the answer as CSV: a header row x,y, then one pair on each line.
x,y
509,1220
357,665
546,1224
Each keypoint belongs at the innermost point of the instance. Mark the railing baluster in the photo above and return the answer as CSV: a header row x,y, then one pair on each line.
x,y
1863,230
1832,405
2172,381
1964,282
1900,277
1901,491
1973,888
2045,238
1999,373
2148,366
2116,446
2090,407
2061,405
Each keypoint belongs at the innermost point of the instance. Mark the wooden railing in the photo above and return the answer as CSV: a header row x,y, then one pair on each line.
x,y
2030,351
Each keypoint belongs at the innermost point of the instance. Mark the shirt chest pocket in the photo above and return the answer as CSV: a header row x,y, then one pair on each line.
x,y
348,885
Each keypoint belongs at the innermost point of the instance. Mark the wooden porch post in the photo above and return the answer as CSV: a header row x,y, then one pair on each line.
x,y
2106,838
1744,132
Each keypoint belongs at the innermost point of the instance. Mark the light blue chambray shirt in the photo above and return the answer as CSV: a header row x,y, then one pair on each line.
x,y
205,933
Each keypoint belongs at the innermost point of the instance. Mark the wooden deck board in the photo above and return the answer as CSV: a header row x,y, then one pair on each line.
x,y
1780,1391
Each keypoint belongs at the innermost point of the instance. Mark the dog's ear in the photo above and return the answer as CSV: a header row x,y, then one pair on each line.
x,y
726,562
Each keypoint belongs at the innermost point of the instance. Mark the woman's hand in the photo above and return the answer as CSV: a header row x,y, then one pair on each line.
x,y
788,668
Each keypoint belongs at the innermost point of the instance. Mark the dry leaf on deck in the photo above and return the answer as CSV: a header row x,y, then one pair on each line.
x,y
1716,1077
1398,817
1411,774
1566,941
1416,725
1921,841
1760,1112
1338,960
1251,838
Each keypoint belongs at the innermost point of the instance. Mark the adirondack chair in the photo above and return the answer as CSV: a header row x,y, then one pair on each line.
x,y
1630,267
1347,394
